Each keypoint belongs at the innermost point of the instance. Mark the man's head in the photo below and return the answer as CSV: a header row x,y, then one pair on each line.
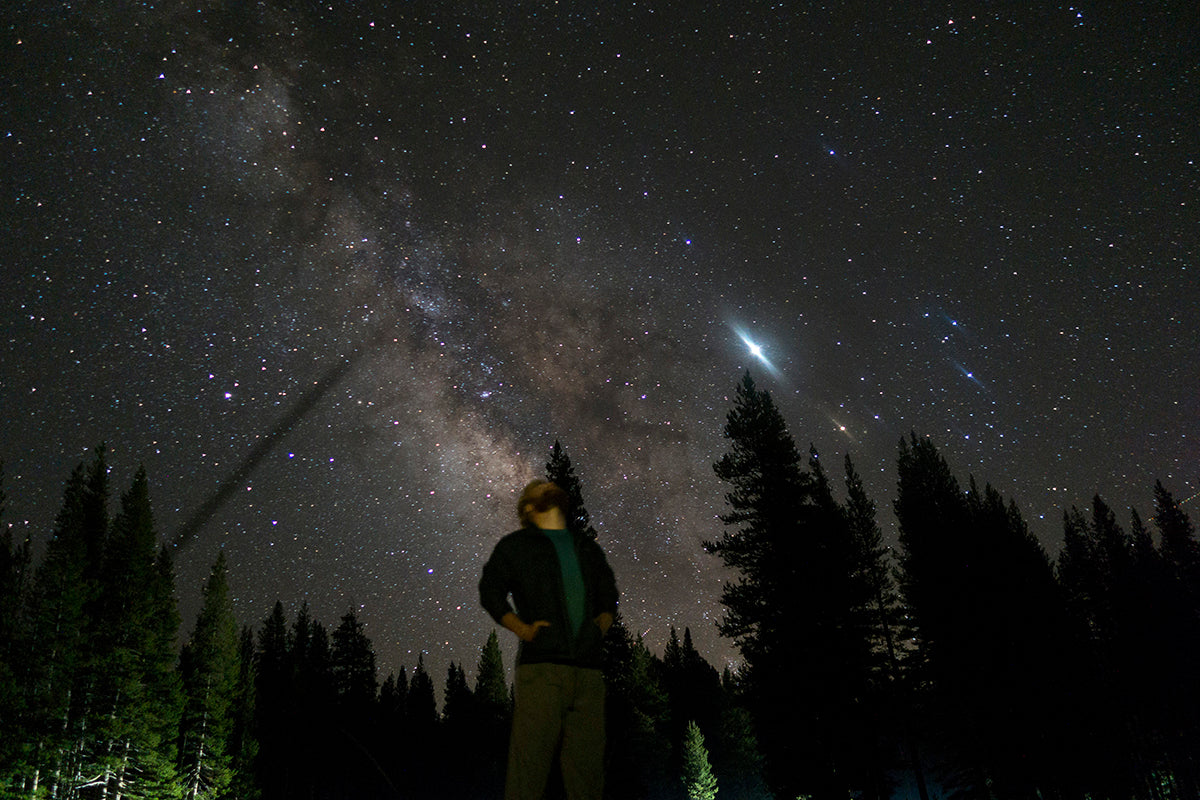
x,y
538,498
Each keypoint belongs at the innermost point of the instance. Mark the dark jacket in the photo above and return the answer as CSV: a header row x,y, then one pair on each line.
x,y
525,565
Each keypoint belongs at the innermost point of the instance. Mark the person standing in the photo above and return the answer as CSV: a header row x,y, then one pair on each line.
x,y
564,598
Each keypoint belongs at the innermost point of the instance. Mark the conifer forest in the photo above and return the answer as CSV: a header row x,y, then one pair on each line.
x,y
966,661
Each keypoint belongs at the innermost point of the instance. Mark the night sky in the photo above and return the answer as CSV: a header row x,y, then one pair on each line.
x,y
362,263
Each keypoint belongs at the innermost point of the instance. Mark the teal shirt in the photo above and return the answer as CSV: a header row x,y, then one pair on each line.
x,y
572,576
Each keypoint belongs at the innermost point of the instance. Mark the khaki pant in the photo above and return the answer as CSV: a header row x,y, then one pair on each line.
x,y
557,704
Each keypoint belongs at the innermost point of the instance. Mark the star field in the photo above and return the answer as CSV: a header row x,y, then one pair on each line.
x,y
361,264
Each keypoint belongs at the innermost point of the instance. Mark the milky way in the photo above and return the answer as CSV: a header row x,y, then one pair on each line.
x,y
339,276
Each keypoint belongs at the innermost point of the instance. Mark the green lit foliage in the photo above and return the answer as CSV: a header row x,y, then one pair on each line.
x,y
699,782
210,665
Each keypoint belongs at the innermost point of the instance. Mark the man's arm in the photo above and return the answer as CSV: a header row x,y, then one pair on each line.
x,y
494,586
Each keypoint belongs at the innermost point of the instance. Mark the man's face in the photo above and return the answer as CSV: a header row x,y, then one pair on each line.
x,y
547,497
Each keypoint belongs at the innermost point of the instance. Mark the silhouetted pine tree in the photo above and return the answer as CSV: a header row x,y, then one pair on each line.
x,y
274,707
736,758
491,686
887,700
693,690
421,716
15,585
769,488
59,673
393,728
135,687
313,665
243,739
1100,708
793,612
561,473
210,666
849,565
421,707
494,709
352,668
990,623
873,573
457,701
393,695
638,752
1180,548
460,727
1177,664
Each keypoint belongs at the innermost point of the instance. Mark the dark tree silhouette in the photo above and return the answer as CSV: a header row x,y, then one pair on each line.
x,y
560,471
796,609
990,625
16,564
493,704
1176,660
275,705
1033,684
243,740
638,752
352,668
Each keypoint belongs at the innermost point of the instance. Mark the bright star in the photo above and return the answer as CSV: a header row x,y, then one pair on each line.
x,y
755,348
757,351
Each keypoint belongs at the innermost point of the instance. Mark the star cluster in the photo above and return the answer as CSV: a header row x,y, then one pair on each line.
x,y
361,264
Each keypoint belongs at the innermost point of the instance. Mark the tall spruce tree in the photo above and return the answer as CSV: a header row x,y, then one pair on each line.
x,y
891,696
210,666
793,609
1176,661
421,718
15,578
874,576
457,703
491,685
243,738
422,703
638,754
560,471
493,707
135,624
1101,707
275,703
693,690
990,622
312,664
699,782
393,696
353,668
393,729
59,672
736,757
460,727
1179,545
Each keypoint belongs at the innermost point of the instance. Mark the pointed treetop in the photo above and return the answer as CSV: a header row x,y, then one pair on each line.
x,y
560,471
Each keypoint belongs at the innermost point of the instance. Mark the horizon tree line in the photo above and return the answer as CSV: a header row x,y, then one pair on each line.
x,y
974,663
970,664
97,700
